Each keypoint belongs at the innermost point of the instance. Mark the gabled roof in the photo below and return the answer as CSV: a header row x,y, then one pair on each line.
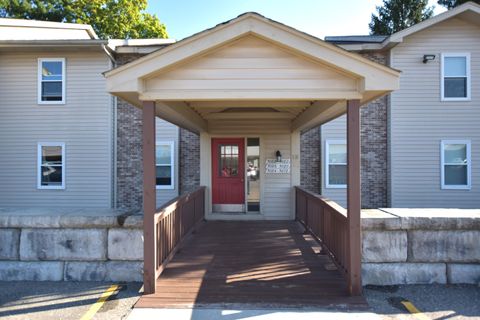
x,y
250,23
469,11
355,39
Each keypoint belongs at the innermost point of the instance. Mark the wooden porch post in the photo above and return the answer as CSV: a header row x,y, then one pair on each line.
x,y
149,198
354,198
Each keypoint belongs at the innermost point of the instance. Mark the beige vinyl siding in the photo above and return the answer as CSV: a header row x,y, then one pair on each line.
x,y
333,130
251,64
277,189
166,132
84,124
420,120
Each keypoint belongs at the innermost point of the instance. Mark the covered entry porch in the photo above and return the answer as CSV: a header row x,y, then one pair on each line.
x,y
250,78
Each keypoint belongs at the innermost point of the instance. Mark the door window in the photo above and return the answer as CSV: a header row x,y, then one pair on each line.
x,y
228,161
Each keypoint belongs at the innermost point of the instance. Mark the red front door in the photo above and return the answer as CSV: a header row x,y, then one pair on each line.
x,y
228,172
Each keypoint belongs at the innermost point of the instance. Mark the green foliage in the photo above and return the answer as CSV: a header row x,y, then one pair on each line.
x,y
122,19
396,15
449,4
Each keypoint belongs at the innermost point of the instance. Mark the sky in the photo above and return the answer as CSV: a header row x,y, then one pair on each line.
x,y
316,17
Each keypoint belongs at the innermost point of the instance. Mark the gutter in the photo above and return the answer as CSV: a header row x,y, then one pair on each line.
x,y
92,43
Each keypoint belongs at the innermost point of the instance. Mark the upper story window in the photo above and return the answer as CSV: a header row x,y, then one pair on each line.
x,y
51,165
336,160
51,81
164,162
456,164
455,77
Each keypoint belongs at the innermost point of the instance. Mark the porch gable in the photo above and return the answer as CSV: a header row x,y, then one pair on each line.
x,y
250,59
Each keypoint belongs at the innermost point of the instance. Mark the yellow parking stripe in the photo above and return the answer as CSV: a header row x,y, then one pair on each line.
x,y
97,305
414,311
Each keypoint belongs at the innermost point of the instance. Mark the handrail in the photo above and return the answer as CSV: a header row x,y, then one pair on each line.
x,y
173,222
327,221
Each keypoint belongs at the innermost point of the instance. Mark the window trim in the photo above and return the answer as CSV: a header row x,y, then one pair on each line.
x,y
444,186
327,164
39,165
466,55
39,80
172,165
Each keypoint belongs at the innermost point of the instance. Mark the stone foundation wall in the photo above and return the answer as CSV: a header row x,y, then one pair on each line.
x,y
400,246
408,246
80,248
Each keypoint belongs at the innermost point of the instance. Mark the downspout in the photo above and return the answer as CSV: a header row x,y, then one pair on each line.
x,y
113,100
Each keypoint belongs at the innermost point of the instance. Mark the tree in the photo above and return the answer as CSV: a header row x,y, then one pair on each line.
x,y
121,19
449,4
396,15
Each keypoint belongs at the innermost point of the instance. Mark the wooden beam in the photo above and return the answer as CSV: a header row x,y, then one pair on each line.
x,y
248,115
250,104
354,261
247,94
182,115
318,113
295,142
149,198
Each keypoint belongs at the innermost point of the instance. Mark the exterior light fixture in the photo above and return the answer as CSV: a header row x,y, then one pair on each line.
x,y
278,155
428,57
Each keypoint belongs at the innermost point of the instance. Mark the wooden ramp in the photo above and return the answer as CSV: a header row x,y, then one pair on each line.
x,y
250,264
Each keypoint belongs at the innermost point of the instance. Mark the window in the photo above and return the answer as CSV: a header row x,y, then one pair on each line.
x,y
51,165
456,168
336,160
164,161
51,81
455,77
228,160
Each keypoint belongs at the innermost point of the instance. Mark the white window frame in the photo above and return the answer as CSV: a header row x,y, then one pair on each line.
x,y
442,78
172,165
327,164
39,80
468,186
39,164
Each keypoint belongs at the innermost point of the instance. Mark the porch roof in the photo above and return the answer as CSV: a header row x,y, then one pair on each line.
x,y
251,68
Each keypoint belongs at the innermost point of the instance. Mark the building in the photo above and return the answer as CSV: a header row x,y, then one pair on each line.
x,y
76,149
246,121
421,142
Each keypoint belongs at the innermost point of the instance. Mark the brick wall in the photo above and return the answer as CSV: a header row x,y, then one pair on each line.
x,y
189,158
374,151
129,150
374,147
310,160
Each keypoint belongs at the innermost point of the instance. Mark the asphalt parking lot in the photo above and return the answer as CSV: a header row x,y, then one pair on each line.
x,y
65,300
79,300
434,301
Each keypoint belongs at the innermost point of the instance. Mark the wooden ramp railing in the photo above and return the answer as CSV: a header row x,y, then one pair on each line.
x,y
173,223
327,221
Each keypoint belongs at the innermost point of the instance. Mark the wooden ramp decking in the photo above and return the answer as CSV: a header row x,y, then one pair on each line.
x,y
251,264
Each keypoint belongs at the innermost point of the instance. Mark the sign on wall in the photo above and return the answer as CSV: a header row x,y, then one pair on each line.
x,y
274,166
